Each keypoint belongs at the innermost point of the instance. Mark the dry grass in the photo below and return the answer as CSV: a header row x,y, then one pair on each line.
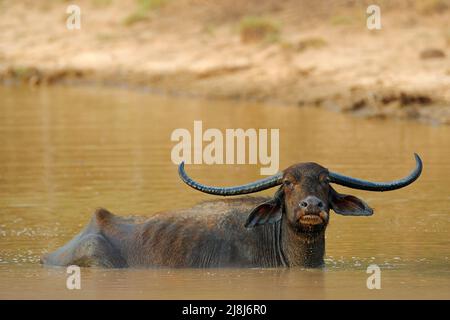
x,y
102,3
340,20
144,7
257,29
447,37
311,43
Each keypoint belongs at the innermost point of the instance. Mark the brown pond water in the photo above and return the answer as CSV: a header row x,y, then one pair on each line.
x,y
64,152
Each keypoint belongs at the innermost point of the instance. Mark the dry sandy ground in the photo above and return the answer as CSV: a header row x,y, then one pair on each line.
x,y
321,52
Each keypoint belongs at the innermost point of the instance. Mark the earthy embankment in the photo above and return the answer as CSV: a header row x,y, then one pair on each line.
x,y
294,52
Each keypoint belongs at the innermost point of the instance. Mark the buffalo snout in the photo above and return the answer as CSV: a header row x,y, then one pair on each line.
x,y
312,213
312,205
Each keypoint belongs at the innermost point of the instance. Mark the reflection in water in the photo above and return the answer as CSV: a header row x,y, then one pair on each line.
x,y
64,152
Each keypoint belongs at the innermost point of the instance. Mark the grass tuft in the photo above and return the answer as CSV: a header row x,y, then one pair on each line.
x,y
257,29
144,7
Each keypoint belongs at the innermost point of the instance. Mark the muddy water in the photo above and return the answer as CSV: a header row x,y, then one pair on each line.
x,y
64,152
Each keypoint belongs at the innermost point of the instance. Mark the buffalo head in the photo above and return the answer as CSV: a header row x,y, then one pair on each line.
x,y
305,195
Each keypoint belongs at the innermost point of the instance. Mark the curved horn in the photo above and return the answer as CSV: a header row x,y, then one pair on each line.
x,y
378,186
256,186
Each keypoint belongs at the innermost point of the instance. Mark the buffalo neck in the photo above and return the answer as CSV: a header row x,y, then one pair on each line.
x,y
301,249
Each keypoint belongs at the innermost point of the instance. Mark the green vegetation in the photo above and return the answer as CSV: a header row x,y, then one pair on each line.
x,y
102,3
142,11
20,71
341,20
148,5
209,29
105,37
135,17
256,29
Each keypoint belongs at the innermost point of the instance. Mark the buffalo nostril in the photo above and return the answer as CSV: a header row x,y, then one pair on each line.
x,y
303,204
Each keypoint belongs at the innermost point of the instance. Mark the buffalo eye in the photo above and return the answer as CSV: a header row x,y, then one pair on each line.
x,y
324,179
287,183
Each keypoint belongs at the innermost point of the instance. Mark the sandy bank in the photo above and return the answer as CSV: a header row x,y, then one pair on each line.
x,y
293,52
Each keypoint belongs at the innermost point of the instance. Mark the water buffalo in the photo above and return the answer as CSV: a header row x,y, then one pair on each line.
x,y
283,231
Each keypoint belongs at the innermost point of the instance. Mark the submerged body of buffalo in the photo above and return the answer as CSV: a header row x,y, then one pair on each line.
x,y
211,234
285,230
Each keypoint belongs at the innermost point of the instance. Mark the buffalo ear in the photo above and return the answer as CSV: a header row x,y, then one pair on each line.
x,y
348,205
267,212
